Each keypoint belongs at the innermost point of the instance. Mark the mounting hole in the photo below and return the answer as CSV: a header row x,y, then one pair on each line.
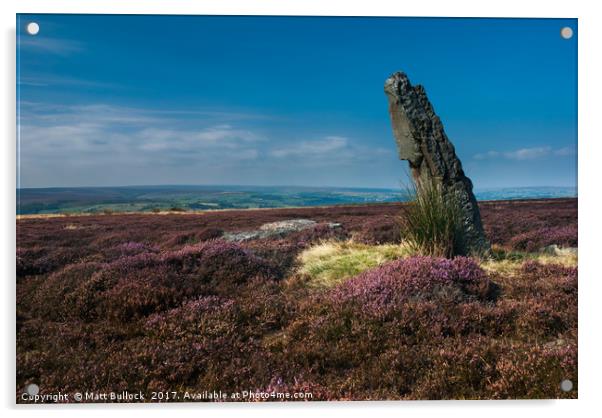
x,y
33,28
566,385
566,32
33,389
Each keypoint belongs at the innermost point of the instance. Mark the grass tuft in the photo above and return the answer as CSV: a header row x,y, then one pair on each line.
x,y
330,263
431,222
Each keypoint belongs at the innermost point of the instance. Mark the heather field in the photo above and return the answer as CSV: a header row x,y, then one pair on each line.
x,y
342,309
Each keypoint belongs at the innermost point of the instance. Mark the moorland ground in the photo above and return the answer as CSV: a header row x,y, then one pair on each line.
x,y
160,303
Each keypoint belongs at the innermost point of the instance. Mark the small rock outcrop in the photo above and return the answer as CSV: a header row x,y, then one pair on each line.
x,y
275,229
421,140
559,251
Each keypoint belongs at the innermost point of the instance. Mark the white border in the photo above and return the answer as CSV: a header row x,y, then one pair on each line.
x,y
590,34
461,8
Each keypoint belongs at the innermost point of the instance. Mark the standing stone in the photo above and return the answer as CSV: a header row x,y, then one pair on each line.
x,y
422,141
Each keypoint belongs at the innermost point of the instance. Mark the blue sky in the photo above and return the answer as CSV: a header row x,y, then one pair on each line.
x,y
130,100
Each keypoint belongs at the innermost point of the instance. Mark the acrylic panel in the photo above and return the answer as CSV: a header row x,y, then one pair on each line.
x,y
287,208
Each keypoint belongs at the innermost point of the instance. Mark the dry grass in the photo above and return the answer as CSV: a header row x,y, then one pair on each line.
x,y
330,263
509,263
431,221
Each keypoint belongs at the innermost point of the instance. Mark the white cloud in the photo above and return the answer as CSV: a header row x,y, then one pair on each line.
x,y
566,151
314,148
45,80
105,144
486,155
326,153
215,137
104,135
50,45
525,153
528,153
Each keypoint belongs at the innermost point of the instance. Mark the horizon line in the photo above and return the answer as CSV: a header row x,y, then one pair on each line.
x,y
275,185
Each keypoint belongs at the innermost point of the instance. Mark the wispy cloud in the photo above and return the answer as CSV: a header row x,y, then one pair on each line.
x,y
50,45
114,113
44,80
213,137
312,148
111,136
522,154
566,151
107,144
328,151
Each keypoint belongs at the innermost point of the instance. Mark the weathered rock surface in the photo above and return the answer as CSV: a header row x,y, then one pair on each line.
x,y
287,226
422,141
559,251
275,229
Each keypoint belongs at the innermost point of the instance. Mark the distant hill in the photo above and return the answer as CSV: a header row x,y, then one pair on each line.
x,y
155,198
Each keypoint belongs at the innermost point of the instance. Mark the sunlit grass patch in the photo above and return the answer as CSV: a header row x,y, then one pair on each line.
x,y
330,263
508,263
